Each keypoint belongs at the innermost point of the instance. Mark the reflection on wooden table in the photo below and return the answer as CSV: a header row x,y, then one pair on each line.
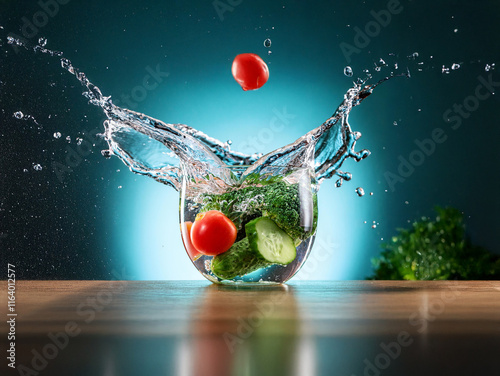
x,y
309,328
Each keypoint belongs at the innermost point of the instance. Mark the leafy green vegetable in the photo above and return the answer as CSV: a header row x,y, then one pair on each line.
x,y
278,200
435,249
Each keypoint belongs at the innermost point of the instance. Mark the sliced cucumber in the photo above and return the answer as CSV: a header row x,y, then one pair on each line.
x,y
266,244
270,242
239,260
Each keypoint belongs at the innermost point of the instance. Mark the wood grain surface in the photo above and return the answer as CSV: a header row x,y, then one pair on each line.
x,y
303,328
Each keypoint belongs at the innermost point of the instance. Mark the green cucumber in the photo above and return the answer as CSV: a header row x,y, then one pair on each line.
x,y
266,244
239,260
270,242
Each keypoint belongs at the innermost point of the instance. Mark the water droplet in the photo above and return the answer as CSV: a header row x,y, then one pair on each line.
x,y
413,56
42,41
68,138
120,187
57,134
37,167
407,202
18,115
267,43
374,226
360,191
445,70
106,153
487,68
371,193
269,52
66,64
396,66
79,140
455,66
25,170
348,71
339,182
395,122
455,31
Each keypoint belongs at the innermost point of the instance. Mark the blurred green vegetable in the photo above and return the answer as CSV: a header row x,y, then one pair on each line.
x,y
435,249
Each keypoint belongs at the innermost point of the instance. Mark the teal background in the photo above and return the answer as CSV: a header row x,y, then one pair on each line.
x,y
85,227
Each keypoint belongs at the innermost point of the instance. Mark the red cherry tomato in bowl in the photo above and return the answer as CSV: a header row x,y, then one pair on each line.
x,y
213,233
186,239
250,71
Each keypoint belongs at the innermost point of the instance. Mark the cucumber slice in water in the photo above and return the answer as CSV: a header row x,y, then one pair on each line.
x,y
266,244
270,242
239,260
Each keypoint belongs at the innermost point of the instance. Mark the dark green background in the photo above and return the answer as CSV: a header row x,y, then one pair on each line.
x,y
85,227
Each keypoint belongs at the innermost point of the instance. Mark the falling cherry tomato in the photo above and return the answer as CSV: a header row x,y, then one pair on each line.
x,y
250,71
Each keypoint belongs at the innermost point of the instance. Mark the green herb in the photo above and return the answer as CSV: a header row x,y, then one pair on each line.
x,y
433,250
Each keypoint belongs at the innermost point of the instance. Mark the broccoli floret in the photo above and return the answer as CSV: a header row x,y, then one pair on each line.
x,y
280,201
282,204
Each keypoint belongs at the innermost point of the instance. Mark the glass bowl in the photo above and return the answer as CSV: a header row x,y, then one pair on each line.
x,y
285,196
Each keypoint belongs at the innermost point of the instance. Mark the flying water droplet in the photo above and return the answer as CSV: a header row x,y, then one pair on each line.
x,y
37,167
360,191
68,138
487,68
57,134
42,41
348,71
18,115
455,66
267,43
106,153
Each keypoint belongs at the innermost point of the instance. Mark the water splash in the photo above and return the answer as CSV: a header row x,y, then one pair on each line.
x,y
167,151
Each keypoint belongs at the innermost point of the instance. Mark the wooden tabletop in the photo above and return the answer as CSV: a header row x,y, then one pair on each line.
x,y
304,328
